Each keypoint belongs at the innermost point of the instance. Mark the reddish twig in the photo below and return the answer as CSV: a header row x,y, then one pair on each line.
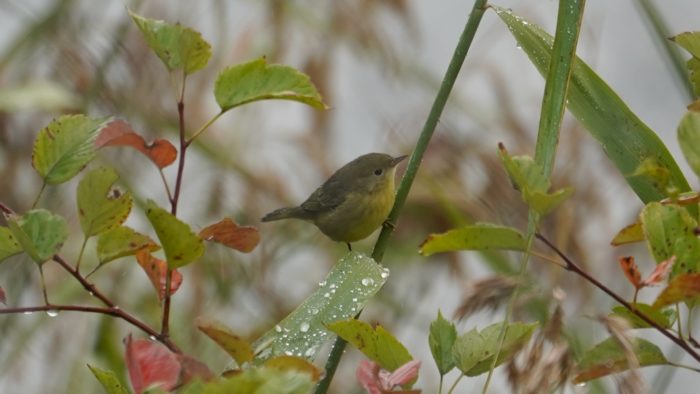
x,y
573,267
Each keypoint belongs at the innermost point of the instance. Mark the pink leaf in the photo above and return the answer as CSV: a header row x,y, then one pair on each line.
x,y
151,364
368,375
404,374
660,272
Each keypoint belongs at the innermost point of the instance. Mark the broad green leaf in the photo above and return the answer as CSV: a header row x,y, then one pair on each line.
x,y
374,342
629,234
8,244
624,137
239,349
682,288
353,280
109,381
257,80
690,41
479,236
101,205
688,137
441,339
178,47
260,380
474,351
529,178
180,244
40,232
122,241
669,231
663,317
517,335
65,147
608,357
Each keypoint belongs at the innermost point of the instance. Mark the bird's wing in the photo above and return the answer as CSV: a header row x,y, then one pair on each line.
x,y
328,196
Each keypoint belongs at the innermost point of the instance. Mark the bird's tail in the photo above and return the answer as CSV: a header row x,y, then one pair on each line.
x,y
282,213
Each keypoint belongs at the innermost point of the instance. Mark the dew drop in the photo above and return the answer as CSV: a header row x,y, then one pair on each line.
x,y
153,338
309,352
582,384
322,283
52,313
314,311
278,328
327,295
304,327
354,299
28,312
367,281
91,293
384,274
288,352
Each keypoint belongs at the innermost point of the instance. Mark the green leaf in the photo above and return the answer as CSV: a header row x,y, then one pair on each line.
x,y
624,137
255,381
474,351
40,232
441,339
120,242
608,357
180,244
376,343
238,348
669,231
353,280
101,205
65,147
479,236
256,80
108,380
530,179
690,41
688,137
664,317
178,47
8,244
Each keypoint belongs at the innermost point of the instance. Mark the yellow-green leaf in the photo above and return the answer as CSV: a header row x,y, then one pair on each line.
x,y
479,236
376,343
180,244
682,288
629,234
40,232
665,318
101,205
257,80
8,244
109,380
178,47
239,349
669,231
688,137
65,147
608,357
122,241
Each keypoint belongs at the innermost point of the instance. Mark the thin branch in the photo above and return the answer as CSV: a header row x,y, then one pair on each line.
x,y
573,267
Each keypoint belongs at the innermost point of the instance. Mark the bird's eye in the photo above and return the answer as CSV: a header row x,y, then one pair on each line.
x,y
378,172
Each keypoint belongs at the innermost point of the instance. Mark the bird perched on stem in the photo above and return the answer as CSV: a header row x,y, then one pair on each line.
x,y
352,203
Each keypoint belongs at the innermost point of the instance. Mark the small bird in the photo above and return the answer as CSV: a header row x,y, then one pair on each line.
x,y
352,203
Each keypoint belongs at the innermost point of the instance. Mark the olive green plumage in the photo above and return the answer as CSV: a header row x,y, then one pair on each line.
x,y
352,203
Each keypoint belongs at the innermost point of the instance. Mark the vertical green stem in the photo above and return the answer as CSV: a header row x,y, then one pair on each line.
x,y
43,286
438,106
80,255
38,196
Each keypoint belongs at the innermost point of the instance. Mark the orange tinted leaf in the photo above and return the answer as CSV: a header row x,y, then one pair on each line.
x,y
119,133
629,268
291,363
228,233
684,287
156,270
151,364
660,272
192,369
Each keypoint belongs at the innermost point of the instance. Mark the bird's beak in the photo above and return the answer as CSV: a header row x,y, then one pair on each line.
x,y
397,160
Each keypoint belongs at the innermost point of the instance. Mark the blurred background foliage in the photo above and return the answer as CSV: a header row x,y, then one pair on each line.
x,y
377,64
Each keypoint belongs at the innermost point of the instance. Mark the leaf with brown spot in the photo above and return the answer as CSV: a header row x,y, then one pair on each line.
x,y
228,233
683,287
156,269
118,133
629,268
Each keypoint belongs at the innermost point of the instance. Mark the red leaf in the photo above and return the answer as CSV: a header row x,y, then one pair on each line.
x,y
191,369
156,269
660,272
684,287
119,133
2,296
629,268
151,364
227,232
